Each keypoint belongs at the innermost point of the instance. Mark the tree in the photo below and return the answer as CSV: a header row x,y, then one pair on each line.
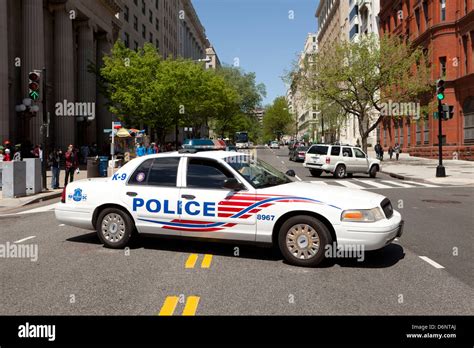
x,y
361,76
277,120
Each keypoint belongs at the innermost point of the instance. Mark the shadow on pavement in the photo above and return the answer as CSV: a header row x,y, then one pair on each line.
x,y
383,258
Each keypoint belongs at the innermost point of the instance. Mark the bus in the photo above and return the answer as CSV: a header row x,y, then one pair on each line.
x,y
242,140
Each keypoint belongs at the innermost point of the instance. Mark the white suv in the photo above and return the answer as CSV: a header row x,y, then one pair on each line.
x,y
340,160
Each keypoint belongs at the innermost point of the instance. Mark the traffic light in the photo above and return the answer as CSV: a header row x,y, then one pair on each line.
x,y
34,84
440,89
448,111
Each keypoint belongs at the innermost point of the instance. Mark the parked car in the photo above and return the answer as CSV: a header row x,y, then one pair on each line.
x,y
298,154
274,145
340,160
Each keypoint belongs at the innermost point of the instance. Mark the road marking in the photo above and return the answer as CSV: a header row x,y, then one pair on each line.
x,y
191,305
169,306
191,261
298,178
431,262
61,225
373,183
283,162
396,183
420,183
349,184
24,239
206,262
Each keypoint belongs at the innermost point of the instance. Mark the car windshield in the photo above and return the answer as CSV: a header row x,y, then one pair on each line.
x,y
257,172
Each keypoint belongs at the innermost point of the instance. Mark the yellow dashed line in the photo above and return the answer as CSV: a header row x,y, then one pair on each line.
x,y
191,261
191,305
169,306
206,262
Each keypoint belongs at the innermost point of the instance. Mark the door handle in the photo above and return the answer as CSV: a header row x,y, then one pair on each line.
x,y
132,194
188,196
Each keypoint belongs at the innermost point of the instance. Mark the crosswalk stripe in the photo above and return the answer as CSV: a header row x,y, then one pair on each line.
x,y
191,305
420,183
374,183
396,183
169,306
349,184
206,262
191,261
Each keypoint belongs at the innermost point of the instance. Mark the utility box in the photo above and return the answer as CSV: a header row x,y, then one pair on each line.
x,y
14,179
34,182
92,167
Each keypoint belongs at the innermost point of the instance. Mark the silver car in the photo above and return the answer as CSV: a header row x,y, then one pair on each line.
x,y
340,160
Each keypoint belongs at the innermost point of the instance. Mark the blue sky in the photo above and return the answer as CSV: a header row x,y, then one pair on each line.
x,y
260,33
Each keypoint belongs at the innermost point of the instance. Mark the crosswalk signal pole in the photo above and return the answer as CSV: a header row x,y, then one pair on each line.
x,y
440,170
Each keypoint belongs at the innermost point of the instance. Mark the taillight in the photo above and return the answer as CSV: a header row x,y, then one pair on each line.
x,y
328,160
63,195
301,153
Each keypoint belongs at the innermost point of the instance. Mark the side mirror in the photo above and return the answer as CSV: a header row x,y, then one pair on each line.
x,y
233,184
291,173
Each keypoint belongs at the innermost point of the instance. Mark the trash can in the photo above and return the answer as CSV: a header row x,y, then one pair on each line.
x,y
92,167
103,164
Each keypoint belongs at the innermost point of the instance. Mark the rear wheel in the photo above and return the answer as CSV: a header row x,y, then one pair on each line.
x,y
114,228
340,172
315,172
302,240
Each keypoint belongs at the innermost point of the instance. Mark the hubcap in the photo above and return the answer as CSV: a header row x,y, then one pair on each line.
x,y
341,171
302,241
113,227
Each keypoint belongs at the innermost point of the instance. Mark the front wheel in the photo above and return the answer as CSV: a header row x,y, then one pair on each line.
x,y
302,241
373,171
114,228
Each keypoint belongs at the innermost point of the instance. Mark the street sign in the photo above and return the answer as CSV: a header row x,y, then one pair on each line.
x,y
107,130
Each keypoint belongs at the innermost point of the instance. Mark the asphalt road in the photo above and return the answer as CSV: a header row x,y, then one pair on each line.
x,y
75,275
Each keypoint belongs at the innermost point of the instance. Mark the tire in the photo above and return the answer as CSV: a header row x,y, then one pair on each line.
x,y
373,171
293,240
111,236
340,171
315,172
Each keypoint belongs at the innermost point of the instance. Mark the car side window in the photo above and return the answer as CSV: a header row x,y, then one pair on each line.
x,y
347,152
335,151
164,172
140,175
359,153
207,174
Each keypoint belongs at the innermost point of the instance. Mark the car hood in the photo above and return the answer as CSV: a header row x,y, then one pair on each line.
x,y
341,197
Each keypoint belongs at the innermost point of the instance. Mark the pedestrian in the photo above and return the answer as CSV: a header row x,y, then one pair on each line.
x,y
141,151
6,157
378,149
390,151
54,161
72,163
85,153
397,150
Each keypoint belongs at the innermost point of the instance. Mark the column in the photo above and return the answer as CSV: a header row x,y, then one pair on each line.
x,y
104,117
86,80
32,56
63,75
4,107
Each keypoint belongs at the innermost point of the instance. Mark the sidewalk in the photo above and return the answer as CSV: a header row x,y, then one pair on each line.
x,y
11,203
423,169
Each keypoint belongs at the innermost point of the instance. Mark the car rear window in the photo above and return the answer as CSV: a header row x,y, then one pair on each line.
x,y
318,150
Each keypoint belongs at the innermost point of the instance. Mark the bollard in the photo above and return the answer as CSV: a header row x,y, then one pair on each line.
x,y
14,179
34,182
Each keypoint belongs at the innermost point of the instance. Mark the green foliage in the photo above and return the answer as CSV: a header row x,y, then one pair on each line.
x,y
278,120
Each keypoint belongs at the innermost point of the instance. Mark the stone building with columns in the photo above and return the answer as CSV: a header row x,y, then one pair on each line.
x,y
60,38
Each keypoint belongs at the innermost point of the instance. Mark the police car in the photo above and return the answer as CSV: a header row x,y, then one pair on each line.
x,y
228,195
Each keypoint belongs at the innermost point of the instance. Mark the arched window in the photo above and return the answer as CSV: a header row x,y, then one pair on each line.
x,y
468,111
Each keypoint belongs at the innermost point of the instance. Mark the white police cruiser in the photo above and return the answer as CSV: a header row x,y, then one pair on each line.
x,y
227,195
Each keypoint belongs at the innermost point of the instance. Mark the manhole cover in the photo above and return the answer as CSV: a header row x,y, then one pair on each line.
x,y
440,201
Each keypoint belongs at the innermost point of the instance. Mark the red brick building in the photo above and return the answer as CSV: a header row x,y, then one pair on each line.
x,y
445,29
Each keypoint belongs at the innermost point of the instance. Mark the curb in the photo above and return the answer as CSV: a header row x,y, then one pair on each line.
x,y
403,177
42,199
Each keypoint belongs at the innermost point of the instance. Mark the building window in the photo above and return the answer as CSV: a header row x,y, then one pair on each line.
x,y
402,135
417,18
136,45
156,4
157,24
418,133
150,37
408,134
426,131
135,2
425,13
384,136
144,31
126,40
125,13
468,111
143,7
157,44
442,4
150,16
135,23
442,67
354,31
466,58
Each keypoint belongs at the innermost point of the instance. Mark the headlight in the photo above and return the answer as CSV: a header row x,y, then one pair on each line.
x,y
362,215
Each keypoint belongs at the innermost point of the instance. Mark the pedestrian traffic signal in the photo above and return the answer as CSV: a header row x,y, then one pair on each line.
x,y
448,112
440,89
34,78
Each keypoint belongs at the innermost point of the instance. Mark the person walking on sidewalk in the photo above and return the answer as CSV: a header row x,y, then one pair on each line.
x,y
72,163
378,150
55,164
390,151
397,150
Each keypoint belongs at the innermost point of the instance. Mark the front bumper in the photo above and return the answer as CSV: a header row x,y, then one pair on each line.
x,y
371,236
